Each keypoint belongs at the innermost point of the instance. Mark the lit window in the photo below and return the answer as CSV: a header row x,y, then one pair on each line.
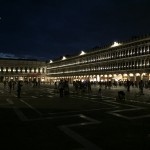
x,y
9,70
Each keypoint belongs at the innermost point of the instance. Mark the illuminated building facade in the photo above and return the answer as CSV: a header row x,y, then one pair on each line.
x,y
22,69
119,61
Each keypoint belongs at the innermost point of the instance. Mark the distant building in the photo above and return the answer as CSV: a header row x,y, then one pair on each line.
x,y
22,69
116,62
120,61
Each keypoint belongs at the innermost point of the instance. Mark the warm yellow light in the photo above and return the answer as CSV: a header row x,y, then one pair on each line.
x,y
131,74
144,74
21,78
137,74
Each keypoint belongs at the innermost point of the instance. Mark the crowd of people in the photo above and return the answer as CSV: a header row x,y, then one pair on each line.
x,y
62,87
13,85
86,86
17,85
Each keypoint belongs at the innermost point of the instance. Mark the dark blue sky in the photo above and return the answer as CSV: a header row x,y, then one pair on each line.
x,y
48,29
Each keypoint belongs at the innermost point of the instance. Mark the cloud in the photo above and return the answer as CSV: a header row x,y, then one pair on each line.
x,y
7,55
31,57
13,56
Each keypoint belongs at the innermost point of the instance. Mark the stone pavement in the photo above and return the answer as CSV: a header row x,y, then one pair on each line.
x,y
134,93
42,120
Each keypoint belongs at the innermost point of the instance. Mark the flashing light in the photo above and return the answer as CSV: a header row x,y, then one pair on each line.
x,y
50,61
82,53
64,58
115,44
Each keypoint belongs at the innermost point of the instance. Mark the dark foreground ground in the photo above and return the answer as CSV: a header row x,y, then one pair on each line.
x,y
40,119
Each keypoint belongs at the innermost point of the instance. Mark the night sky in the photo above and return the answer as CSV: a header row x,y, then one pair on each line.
x,y
48,29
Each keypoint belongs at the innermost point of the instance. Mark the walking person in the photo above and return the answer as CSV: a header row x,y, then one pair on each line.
x,y
100,93
66,88
128,85
55,84
89,87
19,89
10,86
141,86
13,84
61,88
4,84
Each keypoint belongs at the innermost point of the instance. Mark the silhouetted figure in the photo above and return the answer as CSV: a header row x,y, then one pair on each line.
x,y
141,86
10,86
89,87
121,95
13,84
128,85
66,88
149,84
55,85
19,88
4,84
100,93
61,88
